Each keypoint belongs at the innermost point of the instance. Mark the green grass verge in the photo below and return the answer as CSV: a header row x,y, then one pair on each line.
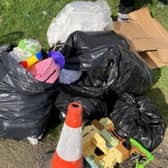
x,y
30,18
159,91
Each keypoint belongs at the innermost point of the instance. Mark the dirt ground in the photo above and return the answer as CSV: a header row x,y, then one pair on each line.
x,y
21,154
161,155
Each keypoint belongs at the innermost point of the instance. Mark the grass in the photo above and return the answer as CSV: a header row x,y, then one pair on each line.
x,y
31,18
159,91
28,17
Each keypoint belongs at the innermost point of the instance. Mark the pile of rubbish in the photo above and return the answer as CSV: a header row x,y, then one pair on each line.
x,y
28,87
86,64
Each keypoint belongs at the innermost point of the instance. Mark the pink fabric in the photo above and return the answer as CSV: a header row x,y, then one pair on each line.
x,y
45,71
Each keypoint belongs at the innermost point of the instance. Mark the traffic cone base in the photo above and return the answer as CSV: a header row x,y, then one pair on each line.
x,y
60,163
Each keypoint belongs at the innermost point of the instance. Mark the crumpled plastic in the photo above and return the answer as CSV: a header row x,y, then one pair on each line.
x,y
69,76
138,118
80,42
92,107
107,63
79,15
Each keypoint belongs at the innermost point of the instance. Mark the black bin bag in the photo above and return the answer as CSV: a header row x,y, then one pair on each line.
x,y
109,69
79,42
137,117
25,103
92,107
107,63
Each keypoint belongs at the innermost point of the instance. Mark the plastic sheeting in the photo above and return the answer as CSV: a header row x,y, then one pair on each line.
x,y
137,117
107,64
25,103
80,42
92,107
79,15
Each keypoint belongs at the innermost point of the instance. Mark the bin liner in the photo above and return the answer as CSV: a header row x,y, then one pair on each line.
x,y
92,107
80,42
137,117
109,69
25,103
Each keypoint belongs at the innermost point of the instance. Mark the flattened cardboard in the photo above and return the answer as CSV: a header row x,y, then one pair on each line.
x,y
151,59
140,40
154,29
149,25
147,36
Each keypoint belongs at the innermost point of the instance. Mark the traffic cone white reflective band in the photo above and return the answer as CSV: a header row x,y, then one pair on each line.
x,y
69,148
70,143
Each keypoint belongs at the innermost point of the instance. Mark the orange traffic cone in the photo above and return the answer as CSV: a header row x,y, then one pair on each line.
x,y
68,152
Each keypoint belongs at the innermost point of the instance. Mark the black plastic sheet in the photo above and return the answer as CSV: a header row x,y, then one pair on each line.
x,y
80,42
92,107
137,117
107,63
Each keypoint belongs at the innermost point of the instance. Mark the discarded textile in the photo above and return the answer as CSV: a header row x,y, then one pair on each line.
x,y
69,76
45,71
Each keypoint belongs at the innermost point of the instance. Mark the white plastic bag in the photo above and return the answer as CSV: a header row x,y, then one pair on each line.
x,y
79,15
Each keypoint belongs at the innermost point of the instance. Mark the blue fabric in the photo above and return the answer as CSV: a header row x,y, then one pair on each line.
x,y
69,76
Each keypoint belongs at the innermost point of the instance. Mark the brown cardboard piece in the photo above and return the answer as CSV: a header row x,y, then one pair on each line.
x,y
140,40
146,36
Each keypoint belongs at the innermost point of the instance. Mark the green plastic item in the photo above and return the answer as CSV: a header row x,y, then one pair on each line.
x,y
30,45
90,163
149,156
112,142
